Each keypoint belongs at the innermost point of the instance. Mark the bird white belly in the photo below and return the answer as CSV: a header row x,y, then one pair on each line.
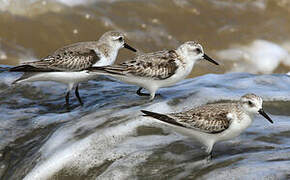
x,y
138,81
105,61
179,75
202,137
61,77
236,128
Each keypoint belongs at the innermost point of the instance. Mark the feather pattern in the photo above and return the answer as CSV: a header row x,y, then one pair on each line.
x,y
212,118
74,57
157,65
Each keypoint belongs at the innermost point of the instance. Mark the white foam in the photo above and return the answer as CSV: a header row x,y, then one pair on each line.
x,y
24,7
30,7
116,140
82,2
138,150
255,4
258,57
3,55
286,45
251,169
112,143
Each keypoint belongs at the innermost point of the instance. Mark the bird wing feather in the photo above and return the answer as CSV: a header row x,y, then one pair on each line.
x,y
159,65
69,58
208,118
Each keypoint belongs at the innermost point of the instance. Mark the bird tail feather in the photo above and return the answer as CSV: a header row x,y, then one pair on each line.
x,y
162,117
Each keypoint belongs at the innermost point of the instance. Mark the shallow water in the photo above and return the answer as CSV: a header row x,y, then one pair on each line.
x,y
108,138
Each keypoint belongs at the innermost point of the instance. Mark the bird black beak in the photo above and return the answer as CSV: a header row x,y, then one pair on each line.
x,y
206,57
129,47
262,112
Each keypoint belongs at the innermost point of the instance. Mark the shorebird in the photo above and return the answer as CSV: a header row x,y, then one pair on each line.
x,y
214,122
158,69
67,65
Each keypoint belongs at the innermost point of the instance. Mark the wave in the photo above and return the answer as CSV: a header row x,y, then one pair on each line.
x,y
260,56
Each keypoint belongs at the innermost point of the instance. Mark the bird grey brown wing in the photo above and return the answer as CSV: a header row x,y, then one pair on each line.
x,y
158,65
65,59
205,118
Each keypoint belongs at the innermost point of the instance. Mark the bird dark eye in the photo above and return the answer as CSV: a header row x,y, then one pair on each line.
x,y
120,39
198,50
250,103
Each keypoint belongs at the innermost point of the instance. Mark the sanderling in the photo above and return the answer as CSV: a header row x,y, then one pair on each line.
x,y
215,122
158,69
67,65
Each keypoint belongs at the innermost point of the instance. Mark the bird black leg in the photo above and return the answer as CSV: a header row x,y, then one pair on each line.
x,y
140,93
67,101
78,95
210,156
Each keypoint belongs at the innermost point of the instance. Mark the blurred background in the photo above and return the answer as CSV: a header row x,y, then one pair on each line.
x,y
107,138
243,35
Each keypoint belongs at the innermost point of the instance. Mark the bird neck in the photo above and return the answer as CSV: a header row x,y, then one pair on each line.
x,y
186,58
108,53
250,114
